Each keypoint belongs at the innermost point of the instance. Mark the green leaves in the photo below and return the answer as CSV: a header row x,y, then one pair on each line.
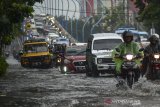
x,y
12,14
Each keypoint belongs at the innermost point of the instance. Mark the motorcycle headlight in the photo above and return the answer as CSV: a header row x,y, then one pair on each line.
x,y
65,69
59,60
99,61
129,57
156,56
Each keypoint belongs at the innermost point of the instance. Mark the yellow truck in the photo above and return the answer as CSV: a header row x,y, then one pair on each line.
x,y
36,54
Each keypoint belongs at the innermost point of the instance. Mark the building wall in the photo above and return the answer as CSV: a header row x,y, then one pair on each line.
x,y
89,7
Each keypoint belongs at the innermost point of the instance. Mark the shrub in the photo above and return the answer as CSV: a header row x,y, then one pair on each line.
x,y
3,66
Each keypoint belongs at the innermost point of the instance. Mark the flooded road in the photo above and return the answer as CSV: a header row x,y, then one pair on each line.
x,y
22,87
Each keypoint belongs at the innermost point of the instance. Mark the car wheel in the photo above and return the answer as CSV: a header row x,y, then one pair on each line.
x,y
51,64
88,71
95,72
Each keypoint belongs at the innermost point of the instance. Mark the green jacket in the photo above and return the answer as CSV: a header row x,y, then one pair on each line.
x,y
132,48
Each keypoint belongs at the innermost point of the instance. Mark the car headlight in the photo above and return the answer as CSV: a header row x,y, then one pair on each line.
x,y
129,57
156,56
99,61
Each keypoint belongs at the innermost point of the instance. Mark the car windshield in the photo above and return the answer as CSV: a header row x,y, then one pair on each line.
x,y
71,52
32,48
83,52
106,44
75,51
62,40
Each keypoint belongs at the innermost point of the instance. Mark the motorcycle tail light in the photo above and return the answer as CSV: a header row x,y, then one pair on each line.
x,y
129,57
156,56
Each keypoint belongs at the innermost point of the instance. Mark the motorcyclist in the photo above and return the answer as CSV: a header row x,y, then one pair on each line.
x,y
59,51
153,47
128,46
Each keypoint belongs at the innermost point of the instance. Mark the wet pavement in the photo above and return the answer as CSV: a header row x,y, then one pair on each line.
x,y
22,87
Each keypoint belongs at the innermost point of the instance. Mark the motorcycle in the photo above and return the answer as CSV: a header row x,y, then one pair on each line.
x,y
154,60
129,68
59,59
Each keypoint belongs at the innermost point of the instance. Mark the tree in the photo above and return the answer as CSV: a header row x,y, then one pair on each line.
x,y
12,14
114,18
149,13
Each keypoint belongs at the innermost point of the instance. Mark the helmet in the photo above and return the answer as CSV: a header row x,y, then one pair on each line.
x,y
127,36
156,35
153,39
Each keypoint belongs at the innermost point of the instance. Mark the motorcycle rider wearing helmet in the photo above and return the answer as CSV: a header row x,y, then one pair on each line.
x,y
153,47
128,46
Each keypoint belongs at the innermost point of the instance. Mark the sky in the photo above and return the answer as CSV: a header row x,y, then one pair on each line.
x,y
63,5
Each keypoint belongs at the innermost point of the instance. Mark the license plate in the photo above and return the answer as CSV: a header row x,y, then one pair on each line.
x,y
106,67
36,63
80,68
129,63
130,73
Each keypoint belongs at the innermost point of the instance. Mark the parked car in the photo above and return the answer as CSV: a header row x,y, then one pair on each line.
x,y
75,60
98,53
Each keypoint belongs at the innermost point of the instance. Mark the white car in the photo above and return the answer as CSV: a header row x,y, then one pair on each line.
x,y
62,41
99,53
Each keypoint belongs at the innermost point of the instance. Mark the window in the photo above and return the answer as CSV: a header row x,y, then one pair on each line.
x,y
106,44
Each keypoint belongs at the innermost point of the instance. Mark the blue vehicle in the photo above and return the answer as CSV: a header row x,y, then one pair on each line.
x,y
138,35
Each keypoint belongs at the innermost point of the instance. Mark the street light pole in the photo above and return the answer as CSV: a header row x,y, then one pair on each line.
x,y
78,20
62,13
96,23
102,16
67,16
84,26
72,18
87,19
55,7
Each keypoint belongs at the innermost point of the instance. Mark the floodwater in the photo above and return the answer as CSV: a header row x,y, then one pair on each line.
x,y
22,87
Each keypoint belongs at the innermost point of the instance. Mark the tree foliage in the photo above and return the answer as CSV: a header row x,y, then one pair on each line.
x,y
12,14
149,13
114,18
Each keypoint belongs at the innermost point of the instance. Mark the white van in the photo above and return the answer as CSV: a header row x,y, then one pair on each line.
x,y
99,53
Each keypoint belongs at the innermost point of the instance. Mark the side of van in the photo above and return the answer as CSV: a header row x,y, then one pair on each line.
x,y
98,53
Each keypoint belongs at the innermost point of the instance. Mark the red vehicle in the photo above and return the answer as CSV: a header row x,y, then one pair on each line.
x,y
75,59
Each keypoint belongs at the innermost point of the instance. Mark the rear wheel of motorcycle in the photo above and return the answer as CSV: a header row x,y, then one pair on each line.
x,y
88,71
156,74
